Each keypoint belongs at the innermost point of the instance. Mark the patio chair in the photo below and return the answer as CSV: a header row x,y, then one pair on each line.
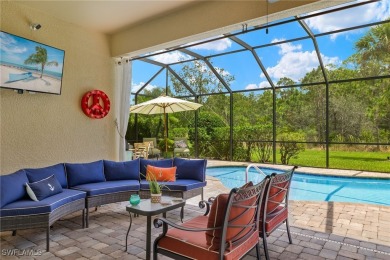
x,y
181,147
141,150
153,150
274,209
230,231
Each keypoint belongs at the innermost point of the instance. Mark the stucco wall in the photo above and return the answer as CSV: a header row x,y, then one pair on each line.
x,y
43,129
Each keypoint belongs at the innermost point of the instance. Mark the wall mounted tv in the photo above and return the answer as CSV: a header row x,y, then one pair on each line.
x,y
29,65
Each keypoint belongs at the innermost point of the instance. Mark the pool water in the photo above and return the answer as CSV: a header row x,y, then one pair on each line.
x,y
314,187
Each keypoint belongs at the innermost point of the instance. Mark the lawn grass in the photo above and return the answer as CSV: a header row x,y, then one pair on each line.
x,y
364,161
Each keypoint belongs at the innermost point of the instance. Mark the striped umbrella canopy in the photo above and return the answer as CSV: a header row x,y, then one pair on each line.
x,y
163,105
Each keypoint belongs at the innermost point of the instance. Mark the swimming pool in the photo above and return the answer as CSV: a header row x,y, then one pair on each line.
x,y
314,187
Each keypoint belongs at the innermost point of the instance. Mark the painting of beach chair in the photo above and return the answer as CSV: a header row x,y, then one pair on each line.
x,y
16,77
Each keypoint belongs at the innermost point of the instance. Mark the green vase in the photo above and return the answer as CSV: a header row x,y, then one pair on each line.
x,y
134,199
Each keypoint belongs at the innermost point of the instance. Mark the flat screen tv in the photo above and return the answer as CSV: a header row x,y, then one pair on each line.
x,y
29,65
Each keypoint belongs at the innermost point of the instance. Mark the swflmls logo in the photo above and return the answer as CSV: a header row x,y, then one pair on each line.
x,y
18,252
50,187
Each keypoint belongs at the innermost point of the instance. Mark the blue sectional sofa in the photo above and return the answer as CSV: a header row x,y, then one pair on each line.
x,y
65,188
18,211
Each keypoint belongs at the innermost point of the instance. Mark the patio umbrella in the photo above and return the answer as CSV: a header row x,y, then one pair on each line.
x,y
163,105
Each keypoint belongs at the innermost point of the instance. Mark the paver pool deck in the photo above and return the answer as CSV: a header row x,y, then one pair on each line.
x,y
320,230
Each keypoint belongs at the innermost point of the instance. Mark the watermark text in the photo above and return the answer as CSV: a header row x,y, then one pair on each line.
x,y
21,252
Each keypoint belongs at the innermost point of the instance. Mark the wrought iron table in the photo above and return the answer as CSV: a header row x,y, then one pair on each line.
x,y
148,209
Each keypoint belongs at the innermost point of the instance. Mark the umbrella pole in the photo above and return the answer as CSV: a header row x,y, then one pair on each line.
x,y
165,133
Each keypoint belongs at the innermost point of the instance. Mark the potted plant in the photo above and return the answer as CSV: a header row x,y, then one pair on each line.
x,y
155,188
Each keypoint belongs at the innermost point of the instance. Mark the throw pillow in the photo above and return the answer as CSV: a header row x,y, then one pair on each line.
x,y
180,144
82,173
44,188
217,215
165,163
12,187
161,174
38,174
191,169
128,170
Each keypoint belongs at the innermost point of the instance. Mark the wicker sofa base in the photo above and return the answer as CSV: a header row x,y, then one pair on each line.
x,y
145,194
99,200
42,220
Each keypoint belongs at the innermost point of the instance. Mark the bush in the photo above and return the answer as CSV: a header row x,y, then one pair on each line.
x,y
289,146
239,152
263,151
178,132
161,144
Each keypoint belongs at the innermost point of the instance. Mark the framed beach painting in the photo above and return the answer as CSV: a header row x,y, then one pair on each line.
x,y
29,65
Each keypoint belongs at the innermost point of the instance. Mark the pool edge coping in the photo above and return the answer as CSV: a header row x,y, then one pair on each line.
x,y
309,170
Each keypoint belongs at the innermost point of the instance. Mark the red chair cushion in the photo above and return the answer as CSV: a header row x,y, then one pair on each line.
x,y
276,195
194,246
274,220
217,215
161,174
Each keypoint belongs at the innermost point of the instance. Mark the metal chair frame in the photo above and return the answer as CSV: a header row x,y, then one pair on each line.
x,y
275,181
235,199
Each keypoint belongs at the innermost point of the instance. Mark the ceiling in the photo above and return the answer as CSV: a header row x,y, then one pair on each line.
x,y
106,16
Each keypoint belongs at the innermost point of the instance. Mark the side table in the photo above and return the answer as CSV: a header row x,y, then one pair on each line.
x,y
148,209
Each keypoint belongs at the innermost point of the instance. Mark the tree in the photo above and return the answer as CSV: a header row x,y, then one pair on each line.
x,y
373,50
200,78
214,113
372,58
208,123
315,100
40,57
252,113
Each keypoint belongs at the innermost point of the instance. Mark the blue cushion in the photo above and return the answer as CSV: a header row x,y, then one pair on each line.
x,y
29,207
12,187
81,173
128,170
44,188
99,188
166,163
38,174
178,185
190,169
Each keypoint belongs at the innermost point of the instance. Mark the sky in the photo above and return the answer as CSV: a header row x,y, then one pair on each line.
x,y
15,49
292,60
